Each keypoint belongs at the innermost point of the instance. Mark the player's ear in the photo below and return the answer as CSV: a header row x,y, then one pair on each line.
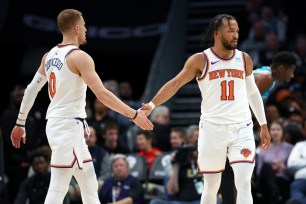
x,y
217,34
76,28
281,68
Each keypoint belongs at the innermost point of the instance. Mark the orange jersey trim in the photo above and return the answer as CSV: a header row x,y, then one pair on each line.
x,y
72,163
206,68
87,160
64,166
209,172
243,59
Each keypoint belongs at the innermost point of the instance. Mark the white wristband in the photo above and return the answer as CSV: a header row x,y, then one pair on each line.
x,y
20,122
152,105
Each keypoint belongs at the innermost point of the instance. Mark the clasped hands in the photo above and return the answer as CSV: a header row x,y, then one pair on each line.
x,y
141,120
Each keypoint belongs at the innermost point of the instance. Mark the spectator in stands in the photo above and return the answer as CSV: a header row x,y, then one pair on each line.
x,y
283,99
147,149
100,157
256,42
126,95
300,53
272,113
100,117
274,24
121,187
252,8
112,85
294,127
111,139
177,138
296,164
192,134
16,161
273,177
295,116
125,92
34,189
273,46
298,91
131,138
185,185
160,117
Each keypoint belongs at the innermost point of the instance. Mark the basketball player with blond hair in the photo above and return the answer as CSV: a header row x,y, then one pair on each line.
x,y
228,89
69,71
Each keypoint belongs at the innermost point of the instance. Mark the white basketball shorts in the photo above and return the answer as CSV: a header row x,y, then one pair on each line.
x,y
216,142
67,142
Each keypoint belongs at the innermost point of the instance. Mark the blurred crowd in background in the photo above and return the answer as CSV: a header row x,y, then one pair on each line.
x,y
280,173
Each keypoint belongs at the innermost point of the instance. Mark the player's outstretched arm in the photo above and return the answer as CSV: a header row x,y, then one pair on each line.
x,y
84,64
30,94
193,67
256,103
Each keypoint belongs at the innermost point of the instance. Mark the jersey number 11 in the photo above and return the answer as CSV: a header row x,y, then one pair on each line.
x,y
227,96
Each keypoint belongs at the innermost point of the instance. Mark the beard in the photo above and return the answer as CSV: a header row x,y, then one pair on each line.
x,y
227,45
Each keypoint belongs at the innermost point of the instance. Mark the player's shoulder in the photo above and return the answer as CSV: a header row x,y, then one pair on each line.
x,y
262,74
245,54
265,76
263,69
197,59
199,56
80,59
78,54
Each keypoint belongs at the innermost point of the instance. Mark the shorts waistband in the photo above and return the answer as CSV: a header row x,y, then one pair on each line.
x,y
80,119
84,124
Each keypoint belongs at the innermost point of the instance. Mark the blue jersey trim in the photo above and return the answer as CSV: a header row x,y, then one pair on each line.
x,y
265,69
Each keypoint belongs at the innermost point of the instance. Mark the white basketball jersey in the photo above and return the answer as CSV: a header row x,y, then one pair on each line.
x,y
67,90
223,89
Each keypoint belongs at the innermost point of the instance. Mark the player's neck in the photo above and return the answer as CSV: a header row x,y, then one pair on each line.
x,y
69,41
222,52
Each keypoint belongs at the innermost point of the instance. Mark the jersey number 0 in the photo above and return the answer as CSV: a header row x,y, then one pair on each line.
x,y
52,85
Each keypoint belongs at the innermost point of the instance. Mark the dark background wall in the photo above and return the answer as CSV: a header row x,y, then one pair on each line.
x,y
122,38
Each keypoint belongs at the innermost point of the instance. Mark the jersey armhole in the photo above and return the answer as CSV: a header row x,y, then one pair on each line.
x,y
70,51
205,69
244,62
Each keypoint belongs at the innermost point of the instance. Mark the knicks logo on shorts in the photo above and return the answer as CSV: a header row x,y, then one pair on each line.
x,y
246,152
